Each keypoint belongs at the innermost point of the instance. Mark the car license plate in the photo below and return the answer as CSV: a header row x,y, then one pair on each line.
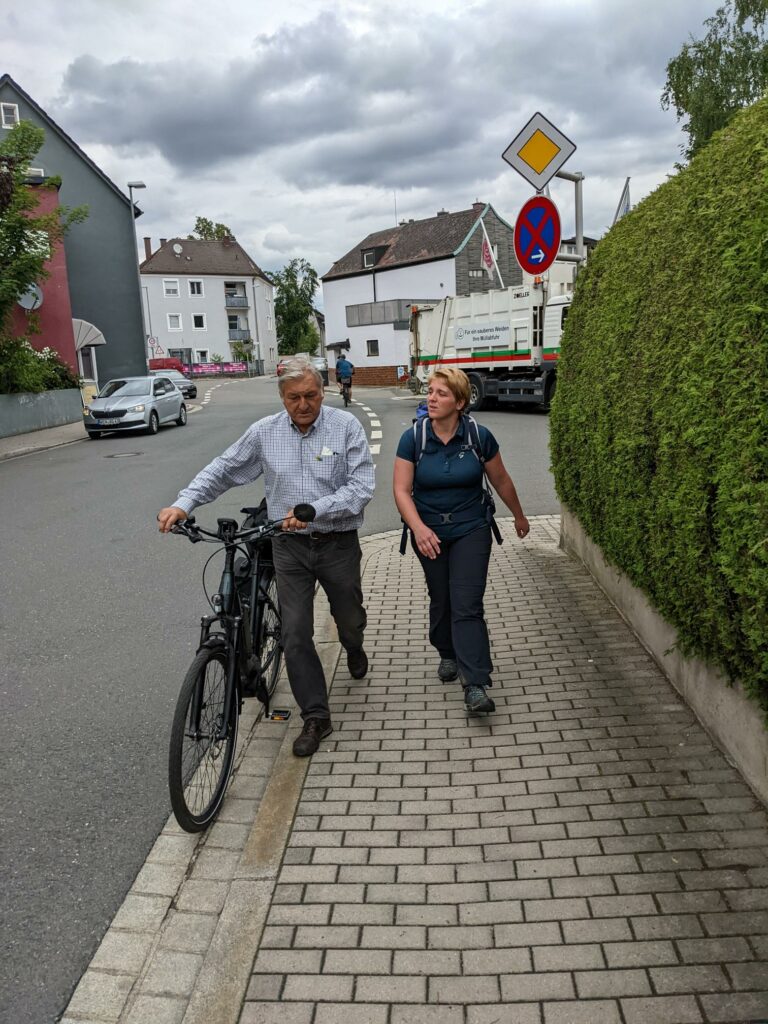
x,y
107,423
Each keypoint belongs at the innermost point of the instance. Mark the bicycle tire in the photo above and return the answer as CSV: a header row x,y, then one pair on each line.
x,y
198,769
346,395
269,643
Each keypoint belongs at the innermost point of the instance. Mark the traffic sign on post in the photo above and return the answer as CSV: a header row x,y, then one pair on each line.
x,y
538,151
537,235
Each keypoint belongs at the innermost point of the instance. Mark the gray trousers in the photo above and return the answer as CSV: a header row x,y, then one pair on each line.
x,y
302,561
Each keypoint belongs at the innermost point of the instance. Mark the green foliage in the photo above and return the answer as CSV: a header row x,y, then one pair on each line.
x,y
24,370
216,358
26,239
714,77
659,428
242,351
207,231
296,286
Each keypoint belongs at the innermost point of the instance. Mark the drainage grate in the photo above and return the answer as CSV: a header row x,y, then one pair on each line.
x,y
123,455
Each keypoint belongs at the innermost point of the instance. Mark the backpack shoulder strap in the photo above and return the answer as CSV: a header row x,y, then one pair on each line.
x,y
419,439
474,438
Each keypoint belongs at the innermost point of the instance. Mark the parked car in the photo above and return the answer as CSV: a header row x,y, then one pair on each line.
x,y
280,369
320,363
187,387
135,403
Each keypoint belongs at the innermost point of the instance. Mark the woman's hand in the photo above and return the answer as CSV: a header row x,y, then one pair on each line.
x,y
522,526
427,542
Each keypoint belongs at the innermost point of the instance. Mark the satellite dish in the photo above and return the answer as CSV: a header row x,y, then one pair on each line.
x,y
177,249
32,298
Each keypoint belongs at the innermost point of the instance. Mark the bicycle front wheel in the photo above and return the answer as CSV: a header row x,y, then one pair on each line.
x,y
202,749
269,643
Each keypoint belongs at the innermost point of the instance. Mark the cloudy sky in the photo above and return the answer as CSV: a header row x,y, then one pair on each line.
x,y
301,124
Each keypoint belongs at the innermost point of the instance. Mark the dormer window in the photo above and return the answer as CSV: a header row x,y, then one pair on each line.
x,y
369,258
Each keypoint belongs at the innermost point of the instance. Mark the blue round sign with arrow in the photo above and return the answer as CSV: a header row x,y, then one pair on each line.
x,y
537,235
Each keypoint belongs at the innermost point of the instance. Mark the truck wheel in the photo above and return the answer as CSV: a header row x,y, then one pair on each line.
x,y
549,392
476,392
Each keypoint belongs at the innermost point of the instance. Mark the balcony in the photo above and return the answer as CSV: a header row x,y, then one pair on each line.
x,y
239,335
236,301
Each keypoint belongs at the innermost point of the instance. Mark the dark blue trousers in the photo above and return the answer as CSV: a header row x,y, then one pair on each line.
x,y
456,582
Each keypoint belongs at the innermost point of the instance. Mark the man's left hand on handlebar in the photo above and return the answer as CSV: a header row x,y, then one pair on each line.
x,y
168,517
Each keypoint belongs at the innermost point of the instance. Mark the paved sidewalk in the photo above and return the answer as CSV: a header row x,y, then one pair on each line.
x,y
583,856
40,440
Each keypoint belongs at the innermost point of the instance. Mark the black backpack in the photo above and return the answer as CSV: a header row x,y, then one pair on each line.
x,y
420,442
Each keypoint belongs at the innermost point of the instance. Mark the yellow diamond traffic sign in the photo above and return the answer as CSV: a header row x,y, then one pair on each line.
x,y
538,151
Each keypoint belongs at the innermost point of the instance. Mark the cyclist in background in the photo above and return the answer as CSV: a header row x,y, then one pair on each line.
x,y
344,371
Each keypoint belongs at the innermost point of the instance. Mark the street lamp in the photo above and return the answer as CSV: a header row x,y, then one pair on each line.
x,y
131,186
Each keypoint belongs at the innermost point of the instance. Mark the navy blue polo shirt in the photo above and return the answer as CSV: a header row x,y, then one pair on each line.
x,y
449,478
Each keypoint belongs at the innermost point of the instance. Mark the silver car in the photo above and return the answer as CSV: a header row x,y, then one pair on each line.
x,y
135,403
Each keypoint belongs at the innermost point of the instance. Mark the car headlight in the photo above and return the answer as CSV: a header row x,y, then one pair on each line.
x,y
137,408
86,410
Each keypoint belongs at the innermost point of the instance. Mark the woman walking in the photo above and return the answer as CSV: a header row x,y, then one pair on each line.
x,y
440,494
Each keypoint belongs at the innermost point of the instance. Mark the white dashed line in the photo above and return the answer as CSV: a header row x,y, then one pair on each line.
x,y
375,449
375,423
376,435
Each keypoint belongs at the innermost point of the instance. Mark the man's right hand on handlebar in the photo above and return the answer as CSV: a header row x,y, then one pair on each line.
x,y
168,517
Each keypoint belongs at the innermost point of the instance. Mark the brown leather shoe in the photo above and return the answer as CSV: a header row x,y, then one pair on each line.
x,y
315,730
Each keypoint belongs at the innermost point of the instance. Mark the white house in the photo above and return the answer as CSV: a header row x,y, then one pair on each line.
x,y
202,297
367,294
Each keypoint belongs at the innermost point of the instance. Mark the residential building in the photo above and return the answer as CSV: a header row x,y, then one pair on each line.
x,y
208,298
367,294
100,251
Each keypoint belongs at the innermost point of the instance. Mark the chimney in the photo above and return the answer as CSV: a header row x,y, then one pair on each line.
x,y
163,241
147,247
477,206
442,213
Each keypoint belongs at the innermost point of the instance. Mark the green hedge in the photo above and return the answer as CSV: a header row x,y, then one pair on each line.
x,y
659,428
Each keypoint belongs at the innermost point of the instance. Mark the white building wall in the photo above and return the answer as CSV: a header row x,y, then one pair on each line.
x,y
417,283
213,339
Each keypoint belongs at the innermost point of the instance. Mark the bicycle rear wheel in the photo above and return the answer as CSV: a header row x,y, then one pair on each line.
x,y
199,762
268,648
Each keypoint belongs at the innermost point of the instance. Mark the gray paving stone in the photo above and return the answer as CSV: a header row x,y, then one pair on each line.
x,y
278,1013
156,1010
567,958
640,954
123,952
662,1010
736,1006
171,973
592,1011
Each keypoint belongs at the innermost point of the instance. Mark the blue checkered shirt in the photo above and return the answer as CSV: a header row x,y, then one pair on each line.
x,y
330,467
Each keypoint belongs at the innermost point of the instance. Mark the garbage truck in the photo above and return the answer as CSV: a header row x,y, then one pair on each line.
x,y
506,340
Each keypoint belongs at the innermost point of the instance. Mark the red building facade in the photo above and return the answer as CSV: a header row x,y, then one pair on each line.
x,y
54,315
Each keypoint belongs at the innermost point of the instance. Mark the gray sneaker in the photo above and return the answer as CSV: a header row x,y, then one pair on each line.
x,y
447,670
476,699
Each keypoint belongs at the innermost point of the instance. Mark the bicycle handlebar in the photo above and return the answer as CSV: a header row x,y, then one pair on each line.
x,y
188,528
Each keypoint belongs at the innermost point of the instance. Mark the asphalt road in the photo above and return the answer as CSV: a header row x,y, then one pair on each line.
x,y
99,619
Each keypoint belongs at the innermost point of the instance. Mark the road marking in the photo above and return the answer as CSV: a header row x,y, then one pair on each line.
x,y
376,435
365,408
375,423
375,449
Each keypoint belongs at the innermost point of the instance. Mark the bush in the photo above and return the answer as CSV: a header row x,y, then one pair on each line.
x,y
660,423
25,370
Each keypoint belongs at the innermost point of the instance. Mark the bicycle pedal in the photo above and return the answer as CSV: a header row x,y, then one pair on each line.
x,y
278,715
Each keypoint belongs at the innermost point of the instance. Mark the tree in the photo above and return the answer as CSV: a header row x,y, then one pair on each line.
x,y
714,77
26,240
296,286
207,231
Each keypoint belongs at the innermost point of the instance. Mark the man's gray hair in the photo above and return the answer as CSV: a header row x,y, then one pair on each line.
x,y
295,369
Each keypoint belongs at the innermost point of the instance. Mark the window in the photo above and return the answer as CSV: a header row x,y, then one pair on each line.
x,y
269,321
198,322
201,355
35,172
196,288
476,273
233,322
368,258
171,288
373,347
9,114
174,321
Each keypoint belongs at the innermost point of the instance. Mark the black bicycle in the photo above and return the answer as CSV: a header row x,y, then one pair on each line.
x,y
239,656
346,390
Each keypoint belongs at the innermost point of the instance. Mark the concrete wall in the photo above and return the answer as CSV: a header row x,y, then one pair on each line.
x,y
101,252
20,414
735,721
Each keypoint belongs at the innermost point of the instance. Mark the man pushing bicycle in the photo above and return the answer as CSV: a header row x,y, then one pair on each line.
x,y
312,454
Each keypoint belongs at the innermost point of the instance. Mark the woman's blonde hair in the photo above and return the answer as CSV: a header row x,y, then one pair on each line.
x,y
456,381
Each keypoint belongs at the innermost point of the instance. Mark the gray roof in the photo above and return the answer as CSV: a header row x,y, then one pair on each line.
x,y
198,256
7,80
417,241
